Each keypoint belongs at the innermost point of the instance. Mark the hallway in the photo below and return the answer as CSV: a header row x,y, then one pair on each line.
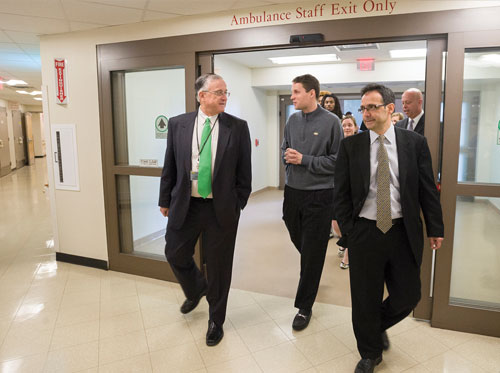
x,y
57,317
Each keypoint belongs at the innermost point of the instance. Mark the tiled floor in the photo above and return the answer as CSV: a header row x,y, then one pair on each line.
x,y
56,317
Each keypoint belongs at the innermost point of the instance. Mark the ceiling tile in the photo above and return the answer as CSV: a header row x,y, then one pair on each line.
x,y
23,37
10,47
36,25
30,48
188,7
39,8
9,56
137,4
244,4
78,26
4,38
102,14
150,16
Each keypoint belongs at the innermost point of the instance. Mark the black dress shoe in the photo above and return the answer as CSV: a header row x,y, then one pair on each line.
x,y
367,365
190,304
301,319
385,341
214,333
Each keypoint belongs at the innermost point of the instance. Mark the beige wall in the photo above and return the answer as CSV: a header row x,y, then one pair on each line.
x,y
79,216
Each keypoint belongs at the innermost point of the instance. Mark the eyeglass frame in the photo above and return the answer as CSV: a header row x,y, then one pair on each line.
x,y
370,107
220,93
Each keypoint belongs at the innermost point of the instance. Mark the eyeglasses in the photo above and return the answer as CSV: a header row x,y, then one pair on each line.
x,y
220,93
370,107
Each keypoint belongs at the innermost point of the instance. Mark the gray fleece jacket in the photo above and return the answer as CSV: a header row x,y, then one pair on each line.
x,y
317,136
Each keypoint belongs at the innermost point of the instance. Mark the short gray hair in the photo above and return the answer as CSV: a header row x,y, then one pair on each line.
x,y
203,81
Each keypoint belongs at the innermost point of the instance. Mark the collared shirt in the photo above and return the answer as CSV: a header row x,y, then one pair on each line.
x,y
198,127
415,121
369,210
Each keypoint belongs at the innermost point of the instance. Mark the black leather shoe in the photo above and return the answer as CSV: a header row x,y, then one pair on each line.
x,y
301,319
190,304
385,341
214,333
367,365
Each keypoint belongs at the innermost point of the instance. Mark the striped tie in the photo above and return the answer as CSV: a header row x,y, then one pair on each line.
x,y
384,219
411,124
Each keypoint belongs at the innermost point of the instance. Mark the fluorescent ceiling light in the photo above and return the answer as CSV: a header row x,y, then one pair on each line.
x,y
16,82
34,93
37,98
23,92
408,53
304,59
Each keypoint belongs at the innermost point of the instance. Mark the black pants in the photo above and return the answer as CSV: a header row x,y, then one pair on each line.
x,y
375,258
308,218
218,251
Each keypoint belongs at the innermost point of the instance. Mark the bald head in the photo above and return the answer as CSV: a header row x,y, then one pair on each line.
x,y
412,102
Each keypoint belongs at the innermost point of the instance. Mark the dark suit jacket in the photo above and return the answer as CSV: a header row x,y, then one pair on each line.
x,y
232,175
403,123
416,180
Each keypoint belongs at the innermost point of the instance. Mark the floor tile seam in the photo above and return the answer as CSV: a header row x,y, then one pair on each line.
x,y
275,346
144,326
323,362
120,360
260,349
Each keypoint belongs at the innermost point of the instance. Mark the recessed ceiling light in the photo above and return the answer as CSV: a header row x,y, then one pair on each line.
x,y
304,59
16,82
37,98
34,93
23,92
408,53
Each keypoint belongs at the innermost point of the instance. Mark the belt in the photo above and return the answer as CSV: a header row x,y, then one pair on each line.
x,y
200,199
394,221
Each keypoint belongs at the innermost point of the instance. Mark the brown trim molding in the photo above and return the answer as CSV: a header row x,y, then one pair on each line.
x,y
81,260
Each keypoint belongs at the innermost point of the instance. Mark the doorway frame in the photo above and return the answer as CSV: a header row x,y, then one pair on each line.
x,y
433,26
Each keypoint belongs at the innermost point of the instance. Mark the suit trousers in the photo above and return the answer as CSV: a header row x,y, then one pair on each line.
x,y
376,258
218,251
308,218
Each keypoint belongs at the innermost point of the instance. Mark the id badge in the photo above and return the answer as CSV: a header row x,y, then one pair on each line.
x,y
194,175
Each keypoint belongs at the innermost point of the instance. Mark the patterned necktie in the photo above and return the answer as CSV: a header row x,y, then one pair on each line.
x,y
384,219
205,168
410,125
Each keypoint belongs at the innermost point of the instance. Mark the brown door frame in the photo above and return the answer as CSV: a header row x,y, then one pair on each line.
x,y
432,25
444,315
118,260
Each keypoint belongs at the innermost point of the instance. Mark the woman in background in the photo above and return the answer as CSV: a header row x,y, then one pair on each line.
x,y
331,103
396,117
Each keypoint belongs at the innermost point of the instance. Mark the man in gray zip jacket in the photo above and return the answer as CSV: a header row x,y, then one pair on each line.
x,y
309,152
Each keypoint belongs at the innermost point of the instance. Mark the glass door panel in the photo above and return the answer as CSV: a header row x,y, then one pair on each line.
x,y
467,288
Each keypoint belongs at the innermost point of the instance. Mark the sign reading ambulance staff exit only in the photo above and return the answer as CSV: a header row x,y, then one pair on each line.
x,y
60,65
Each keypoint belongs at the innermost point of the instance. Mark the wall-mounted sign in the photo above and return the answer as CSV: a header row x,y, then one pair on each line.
x,y
161,127
149,162
60,65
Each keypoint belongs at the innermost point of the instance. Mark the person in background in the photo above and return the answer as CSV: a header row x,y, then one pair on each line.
x,y
412,100
396,117
321,94
350,127
331,103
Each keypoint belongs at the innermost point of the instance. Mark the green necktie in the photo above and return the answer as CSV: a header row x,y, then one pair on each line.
x,y
205,169
384,220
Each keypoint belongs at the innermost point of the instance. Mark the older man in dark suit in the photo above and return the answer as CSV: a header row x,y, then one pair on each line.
x,y
412,101
205,183
382,180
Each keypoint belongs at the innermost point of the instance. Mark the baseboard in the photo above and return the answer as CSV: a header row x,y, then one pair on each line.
x,y
81,260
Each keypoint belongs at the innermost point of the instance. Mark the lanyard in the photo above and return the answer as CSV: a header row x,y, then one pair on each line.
x,y
209,134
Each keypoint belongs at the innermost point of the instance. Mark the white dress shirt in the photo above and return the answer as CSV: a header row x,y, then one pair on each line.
x,y
415,121
369,210
195,160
